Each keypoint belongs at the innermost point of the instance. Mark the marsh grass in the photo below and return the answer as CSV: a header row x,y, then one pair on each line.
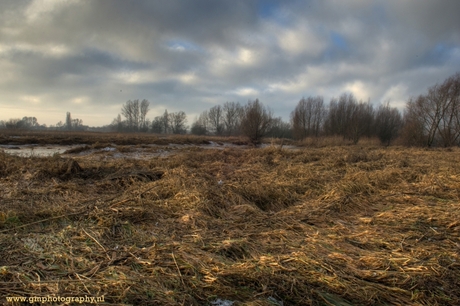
x,y
98,139
334,225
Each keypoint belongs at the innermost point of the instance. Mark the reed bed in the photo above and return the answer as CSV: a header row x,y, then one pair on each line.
x,y
341,225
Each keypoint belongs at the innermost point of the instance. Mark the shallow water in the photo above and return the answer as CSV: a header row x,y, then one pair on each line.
x,y
35,150
146,152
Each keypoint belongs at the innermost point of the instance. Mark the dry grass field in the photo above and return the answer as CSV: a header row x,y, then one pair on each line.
x,y
336,225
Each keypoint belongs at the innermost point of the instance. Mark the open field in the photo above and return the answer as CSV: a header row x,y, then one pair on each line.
x,y
339,225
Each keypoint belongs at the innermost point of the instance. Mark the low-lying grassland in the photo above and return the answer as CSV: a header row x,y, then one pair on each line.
x,y
341,225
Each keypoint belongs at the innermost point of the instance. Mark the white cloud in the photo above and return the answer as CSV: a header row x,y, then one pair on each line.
x,y
31,99
138,77
245,92
188,78
359,89
39,9
246,57
300,40
80,100
47,50
397,95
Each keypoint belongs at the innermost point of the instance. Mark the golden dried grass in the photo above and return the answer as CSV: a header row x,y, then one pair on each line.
x,y
354,225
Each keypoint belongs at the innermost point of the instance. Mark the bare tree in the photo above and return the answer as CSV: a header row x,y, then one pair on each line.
x,y
307,117
157,125
361,121
215,119
388,121
349,118
13,123
339,115
127,110
437,114
200,126
166,122
29,122
117,124
256,121
280,129
68,121
232,117
178,121
144,109
449,126
135,113
60,125
412,131
77,124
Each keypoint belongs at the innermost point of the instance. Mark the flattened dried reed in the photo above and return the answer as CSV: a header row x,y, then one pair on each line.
x,y
317,226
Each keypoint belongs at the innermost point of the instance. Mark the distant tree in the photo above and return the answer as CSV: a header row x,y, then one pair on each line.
x,y
135,113
144,109
13,123
339,115
412,131
197,129
200,126
166,122
232,113
117,124
307,117
428,116
178,121
68,121
435,114
77,124
157,125
361,121
256,121
349,118
2,124
445,98
280,129
388,121
147,125
29,122
216,120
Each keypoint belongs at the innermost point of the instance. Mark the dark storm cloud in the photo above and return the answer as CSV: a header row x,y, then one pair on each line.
x,y
92,56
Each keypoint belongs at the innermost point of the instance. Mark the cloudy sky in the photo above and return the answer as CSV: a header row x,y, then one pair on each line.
x,y
89,57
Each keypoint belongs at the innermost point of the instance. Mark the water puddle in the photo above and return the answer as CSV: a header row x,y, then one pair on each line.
x,y
114,151
35,150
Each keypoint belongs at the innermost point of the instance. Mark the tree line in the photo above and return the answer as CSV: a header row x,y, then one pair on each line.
x,y
430,119
31,123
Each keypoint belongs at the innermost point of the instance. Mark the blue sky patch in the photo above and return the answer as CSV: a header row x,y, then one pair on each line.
x,y
182,45
339,41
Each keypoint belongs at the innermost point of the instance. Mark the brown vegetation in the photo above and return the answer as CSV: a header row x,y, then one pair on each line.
x,y
91,138
346,225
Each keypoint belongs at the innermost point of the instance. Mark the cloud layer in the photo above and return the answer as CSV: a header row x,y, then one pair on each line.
x,y
89,57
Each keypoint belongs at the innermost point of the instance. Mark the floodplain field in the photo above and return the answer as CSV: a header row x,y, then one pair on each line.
x,y
332,225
